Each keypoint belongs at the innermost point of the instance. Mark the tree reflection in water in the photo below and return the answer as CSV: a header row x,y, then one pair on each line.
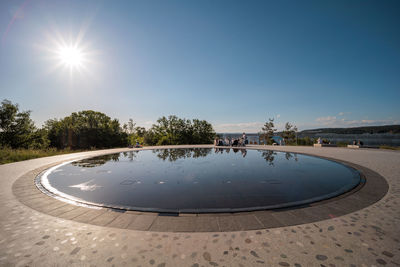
x,y
182,153
175,154
101,160
269,156
131,155
288,156
218,150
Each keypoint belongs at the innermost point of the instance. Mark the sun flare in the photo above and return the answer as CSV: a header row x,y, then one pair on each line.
x,y
70,56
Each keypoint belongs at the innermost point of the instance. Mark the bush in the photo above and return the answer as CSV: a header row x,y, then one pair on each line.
x,y
342,144
163,141
84,130
89,129
16,128
306,141
176,131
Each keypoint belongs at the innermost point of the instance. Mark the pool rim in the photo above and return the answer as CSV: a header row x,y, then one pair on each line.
x,y
43,184
375,188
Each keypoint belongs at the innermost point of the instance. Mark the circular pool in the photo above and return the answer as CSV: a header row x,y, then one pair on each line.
x,y
200,180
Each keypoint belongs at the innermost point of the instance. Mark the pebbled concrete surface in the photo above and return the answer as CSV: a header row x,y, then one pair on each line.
x,y
367,237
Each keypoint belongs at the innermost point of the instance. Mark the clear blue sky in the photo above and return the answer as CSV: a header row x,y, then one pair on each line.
x,y
233,63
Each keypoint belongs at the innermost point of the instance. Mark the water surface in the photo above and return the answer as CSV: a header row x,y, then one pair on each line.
x,y
201,180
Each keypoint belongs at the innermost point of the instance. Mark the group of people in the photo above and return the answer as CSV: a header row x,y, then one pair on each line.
x,y
354,142
323,141
137,145
242,141
358,142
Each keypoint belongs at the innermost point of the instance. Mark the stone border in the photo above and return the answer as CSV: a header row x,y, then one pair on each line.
x,y
362,196
53,192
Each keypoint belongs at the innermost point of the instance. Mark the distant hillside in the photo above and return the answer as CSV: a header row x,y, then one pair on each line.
x,y
392,129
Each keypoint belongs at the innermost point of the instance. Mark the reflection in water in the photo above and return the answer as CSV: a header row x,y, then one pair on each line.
x,y
209,183
95,162
101,160
87,186
288,156
219,150
269,156
175,154
130,182
227,150
131,155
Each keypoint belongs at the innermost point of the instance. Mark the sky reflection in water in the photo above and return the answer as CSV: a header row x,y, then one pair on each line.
x,y
203,179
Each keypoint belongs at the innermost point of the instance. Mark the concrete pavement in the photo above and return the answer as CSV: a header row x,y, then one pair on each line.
x,y
367,236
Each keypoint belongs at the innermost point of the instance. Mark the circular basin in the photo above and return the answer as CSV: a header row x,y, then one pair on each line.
x,y
200,180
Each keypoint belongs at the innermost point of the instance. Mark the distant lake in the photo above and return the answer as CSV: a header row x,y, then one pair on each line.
x,y
367,139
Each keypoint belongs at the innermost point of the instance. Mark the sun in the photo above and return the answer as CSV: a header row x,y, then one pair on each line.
x,y
71,56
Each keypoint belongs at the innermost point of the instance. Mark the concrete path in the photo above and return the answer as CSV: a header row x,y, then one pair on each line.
x,y
367,237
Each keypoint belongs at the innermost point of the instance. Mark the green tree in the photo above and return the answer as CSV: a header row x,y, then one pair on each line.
x,y
134,134
305,141
17,130
86,129
268,131
140,131
289,134
172,130
131,127
39,139
202,132
150,137
55,132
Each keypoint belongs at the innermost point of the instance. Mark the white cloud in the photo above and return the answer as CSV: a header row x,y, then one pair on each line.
x,y
252,127
278,116
145,124
248,127
333,121
320,122
326,120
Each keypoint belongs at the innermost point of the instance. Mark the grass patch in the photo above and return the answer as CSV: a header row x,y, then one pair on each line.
x,y
342,144
390,147
8,155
